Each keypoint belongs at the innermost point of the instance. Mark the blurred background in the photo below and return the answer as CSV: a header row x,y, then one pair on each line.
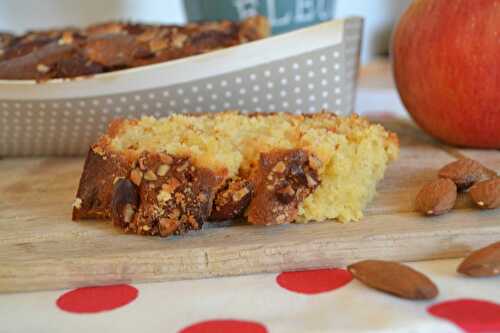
x,y
380,15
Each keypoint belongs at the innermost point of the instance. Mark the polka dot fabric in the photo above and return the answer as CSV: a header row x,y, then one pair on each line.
x,y
306,83
318,300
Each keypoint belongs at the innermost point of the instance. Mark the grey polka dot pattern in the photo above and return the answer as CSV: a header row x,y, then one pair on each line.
x,y
307,83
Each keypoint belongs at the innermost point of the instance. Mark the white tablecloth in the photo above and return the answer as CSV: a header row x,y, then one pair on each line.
x,y
258,303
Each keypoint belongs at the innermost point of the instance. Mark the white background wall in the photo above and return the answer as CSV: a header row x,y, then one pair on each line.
x,y
380,16
19,15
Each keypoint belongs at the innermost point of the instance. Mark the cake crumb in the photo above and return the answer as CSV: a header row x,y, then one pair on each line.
x,y
77,203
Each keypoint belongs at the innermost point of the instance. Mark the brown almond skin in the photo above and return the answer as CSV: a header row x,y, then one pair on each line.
x,y
124,192
466,172
394,278
436,197
483,262
486,194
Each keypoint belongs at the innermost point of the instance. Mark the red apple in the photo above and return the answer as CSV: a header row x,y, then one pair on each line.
x,y
446,62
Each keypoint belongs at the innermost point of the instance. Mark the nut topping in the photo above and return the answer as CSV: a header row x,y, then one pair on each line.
x,y
167,226
277,198
162,170
311,182
158,44
285,193
150,175
183,167
178,40
164,196
67,38
171,185
279,167
314,162
42,68
136,176
167,159
128,213
125,202
141,162
77,203
117,179
202,197
238,195
98,150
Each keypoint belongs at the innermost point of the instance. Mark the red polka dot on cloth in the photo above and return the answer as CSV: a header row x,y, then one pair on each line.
x,y
225,326
314,281
97,299
473,316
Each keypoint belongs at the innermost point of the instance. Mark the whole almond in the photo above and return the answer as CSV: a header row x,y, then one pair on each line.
x,y
436,197
465,172
394,278
482,262
486,194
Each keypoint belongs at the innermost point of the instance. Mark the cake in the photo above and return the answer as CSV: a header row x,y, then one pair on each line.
x,y
106,47
170,175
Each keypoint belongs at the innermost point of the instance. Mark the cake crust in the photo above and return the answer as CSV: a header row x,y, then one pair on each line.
x,y
174,196
94,195
232,199
283,179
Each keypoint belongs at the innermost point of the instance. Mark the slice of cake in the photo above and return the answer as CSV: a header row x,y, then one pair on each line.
x,y
170,175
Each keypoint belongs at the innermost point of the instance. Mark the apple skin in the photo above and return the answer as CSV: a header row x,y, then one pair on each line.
x,y
446,64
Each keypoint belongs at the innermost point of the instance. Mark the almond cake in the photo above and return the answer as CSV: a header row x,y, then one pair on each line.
x,y
170,175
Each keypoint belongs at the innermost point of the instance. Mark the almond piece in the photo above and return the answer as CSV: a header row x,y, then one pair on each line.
x,y
465,172
150,175
486,194
168,226
42,68
482,262
162,170
394,278
136,176
436,197
167,159
125,202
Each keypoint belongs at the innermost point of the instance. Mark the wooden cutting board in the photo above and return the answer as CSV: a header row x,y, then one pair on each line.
x,y
41,248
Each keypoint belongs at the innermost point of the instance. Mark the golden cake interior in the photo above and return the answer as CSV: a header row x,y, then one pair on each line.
x,y
353,153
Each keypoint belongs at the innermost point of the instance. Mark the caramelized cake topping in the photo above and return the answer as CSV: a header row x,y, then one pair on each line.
x,y
269,168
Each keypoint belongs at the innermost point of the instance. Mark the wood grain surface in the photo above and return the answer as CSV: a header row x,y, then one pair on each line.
x,y
41,248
